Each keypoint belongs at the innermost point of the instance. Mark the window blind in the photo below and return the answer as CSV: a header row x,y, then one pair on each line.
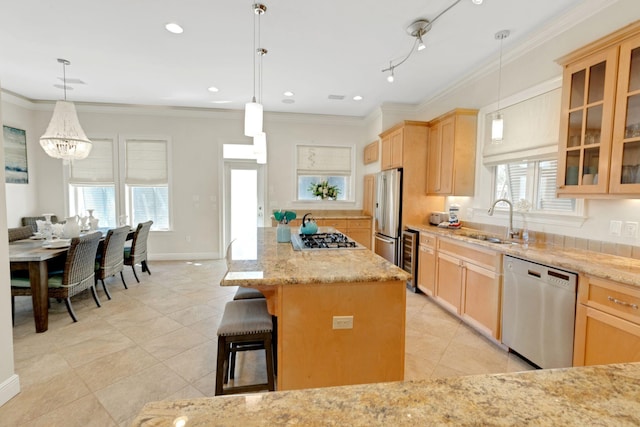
x,y
546,196
146,162
323,160
97,167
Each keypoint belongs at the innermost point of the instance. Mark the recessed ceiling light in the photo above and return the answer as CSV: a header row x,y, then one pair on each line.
x,y
213,89
174,28
221,102
357,98
288,101
288,93
476,1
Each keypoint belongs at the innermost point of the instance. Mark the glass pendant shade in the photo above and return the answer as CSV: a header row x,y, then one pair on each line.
x,y
497,128
260,147
64,137
252,118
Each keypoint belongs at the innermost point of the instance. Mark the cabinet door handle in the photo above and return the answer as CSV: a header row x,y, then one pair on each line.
x,y
623,303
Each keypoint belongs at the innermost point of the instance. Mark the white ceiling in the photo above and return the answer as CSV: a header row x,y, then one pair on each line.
x,y
123,54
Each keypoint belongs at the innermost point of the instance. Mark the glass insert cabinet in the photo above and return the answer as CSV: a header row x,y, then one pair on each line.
x,y
599,152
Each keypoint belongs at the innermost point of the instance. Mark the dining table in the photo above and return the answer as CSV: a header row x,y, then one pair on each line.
x,y
32,255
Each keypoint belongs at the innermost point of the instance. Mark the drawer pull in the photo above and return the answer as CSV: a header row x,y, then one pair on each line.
x,y
624,303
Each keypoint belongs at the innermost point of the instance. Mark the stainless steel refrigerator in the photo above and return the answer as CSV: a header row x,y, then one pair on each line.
x,y
388,214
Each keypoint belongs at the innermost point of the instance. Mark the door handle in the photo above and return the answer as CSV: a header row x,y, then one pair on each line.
x,y
384,239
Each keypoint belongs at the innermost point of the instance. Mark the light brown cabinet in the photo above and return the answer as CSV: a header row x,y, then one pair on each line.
x,y
599,145
451,154
392,149
360,231
427,264
371,153
468,283
369,194
607,323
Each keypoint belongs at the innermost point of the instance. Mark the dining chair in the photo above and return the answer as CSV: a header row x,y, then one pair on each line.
x,y
110,259
31,221
77,276
137,252
19,233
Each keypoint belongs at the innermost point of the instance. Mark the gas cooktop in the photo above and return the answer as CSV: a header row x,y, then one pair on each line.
x,y
322,241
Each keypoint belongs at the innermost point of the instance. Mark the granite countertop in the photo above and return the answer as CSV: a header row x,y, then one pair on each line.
x,y
597,264
596,395
261,261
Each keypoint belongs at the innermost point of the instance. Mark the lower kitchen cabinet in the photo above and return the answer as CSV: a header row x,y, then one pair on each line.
x,y
360,231
468,282
427,264
607,323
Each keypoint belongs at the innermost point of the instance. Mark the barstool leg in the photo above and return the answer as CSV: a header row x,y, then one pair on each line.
x,y
268,351
220,369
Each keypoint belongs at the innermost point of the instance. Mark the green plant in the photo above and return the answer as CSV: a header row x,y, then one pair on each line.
x,y
324,190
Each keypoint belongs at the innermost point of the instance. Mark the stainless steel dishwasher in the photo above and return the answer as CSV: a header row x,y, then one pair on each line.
x,y
538,312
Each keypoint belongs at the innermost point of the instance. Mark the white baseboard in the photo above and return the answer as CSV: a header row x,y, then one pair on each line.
x,y
9,388
184,256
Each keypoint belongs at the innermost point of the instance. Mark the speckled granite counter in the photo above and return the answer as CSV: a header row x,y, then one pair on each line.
x,y
612,267
277,264
307,291
601,395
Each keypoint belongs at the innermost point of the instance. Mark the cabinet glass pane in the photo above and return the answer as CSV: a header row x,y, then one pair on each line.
x,y
577,89
573,162
591,159
632,127
594,124
631,163
596,82
575,129
634,74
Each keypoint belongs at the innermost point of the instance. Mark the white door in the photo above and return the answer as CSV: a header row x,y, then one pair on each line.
x,y
243,200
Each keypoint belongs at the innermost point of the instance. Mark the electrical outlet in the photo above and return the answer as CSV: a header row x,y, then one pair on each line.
x,y
469,213
630,229
615,228
342,322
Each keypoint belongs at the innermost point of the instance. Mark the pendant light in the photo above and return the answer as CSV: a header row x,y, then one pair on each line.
x,y
497,124
64,137
253,110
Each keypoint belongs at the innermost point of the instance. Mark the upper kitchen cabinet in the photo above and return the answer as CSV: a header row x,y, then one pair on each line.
x,y
451,154
599,145
371,153
625,156
400,142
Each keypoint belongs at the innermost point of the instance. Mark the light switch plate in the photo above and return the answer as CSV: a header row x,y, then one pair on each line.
x,y
615,228
342,322
630,229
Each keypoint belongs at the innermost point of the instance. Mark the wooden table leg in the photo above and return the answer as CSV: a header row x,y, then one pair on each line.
x,y
38,277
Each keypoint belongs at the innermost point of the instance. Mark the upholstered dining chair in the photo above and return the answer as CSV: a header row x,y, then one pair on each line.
x,y
19,233
31,221
137,252
110,259
77,276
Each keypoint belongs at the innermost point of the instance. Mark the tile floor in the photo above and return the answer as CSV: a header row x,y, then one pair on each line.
x,y
157,340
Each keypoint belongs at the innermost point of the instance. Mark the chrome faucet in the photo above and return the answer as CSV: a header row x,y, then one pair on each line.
x,y
511,233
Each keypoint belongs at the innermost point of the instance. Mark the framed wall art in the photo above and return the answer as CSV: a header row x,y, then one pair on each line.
x,y
15,156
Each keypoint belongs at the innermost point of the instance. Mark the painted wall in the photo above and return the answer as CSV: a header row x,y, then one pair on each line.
x,y
196,137
9,382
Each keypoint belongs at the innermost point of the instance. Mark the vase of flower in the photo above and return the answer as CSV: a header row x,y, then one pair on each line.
x,y
323,190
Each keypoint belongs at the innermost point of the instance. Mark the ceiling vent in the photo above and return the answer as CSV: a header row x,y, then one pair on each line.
x,y
336,97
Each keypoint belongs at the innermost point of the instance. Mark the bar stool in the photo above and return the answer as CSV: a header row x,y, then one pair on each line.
x,y
247,293
246,325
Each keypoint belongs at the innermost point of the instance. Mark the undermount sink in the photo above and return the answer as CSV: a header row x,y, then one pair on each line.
x,y
490,239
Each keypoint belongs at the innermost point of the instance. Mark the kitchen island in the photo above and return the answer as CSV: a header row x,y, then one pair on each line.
x,y
598,395
340,312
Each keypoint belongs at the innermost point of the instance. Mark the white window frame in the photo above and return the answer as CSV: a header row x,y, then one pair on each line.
x,y
324,174
485,175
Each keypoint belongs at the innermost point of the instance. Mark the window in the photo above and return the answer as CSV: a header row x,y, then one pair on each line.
x,y
330,164
134,183
534,181
147,182
92,184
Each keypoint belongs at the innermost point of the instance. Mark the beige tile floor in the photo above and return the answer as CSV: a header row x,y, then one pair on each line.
x,y
157,340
